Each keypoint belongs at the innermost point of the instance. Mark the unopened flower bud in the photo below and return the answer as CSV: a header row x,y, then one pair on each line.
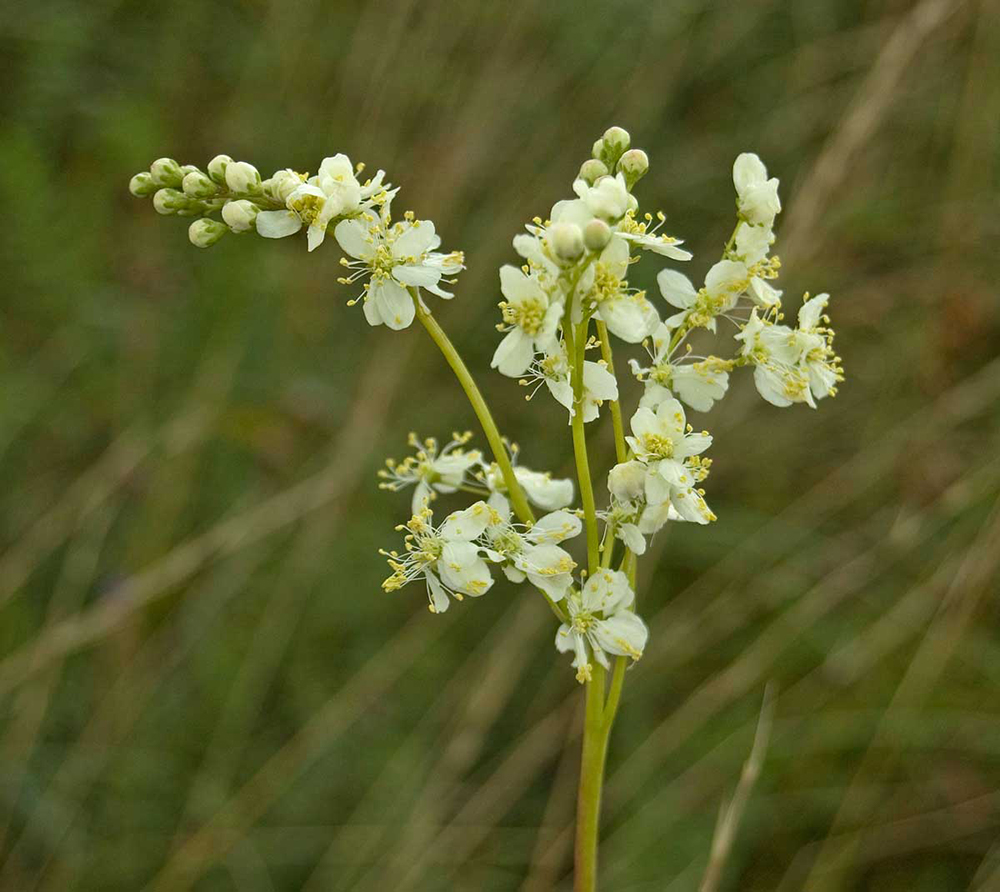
x,y
240,215
616,141
627,480
166,172
596,235
188,168
567,240
591,169
170,201
598,151
242,177
197,185
142,185
217,168
634,164
282,184
205,232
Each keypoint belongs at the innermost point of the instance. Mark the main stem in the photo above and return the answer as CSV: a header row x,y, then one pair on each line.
x,y
588,800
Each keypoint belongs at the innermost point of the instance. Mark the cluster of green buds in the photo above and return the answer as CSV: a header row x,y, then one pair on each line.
x,y
612,154
233,189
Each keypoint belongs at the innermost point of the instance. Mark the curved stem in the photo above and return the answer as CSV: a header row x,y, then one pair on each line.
x,y
518,500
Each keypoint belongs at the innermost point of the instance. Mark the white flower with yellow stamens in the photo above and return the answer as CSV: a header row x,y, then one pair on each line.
x,y
532,552
601,624
447,558
432,471
554,371
668,446
530,319
394,257
698,382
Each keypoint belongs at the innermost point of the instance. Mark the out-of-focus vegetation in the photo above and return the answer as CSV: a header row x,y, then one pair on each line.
x,y
204,685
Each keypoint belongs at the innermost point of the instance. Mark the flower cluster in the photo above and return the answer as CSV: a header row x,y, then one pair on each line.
x,y
395,261
571,294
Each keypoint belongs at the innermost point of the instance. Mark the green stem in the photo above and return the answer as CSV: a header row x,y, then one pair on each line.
x,y
588,808
517,498
574,352
616,409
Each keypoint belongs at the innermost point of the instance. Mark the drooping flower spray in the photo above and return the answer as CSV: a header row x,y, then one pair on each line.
x,y
567,299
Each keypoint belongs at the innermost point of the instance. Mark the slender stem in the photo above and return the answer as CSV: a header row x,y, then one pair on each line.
x,y
621,450
588,809
517,498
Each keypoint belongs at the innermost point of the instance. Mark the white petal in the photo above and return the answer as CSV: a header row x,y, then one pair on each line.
x,y
513,354
415,240
547,493
278,224
555,527
354,238
676,288
394,303
438,596
599,382
624,634
315,236
748,170
467,524
418,276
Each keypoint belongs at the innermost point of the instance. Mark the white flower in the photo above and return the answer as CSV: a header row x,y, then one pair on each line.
x,y
608,198
816,344
699,383
542,489
627,313
774,351
432,471
532,553
395,256
757,195
598,383
665,443
600,623
627,480
645,236
283,183
334,192
447,558
531,322
724,284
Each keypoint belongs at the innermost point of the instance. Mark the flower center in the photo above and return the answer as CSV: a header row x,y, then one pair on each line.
x,y
308,206
658,445
583,622
527,315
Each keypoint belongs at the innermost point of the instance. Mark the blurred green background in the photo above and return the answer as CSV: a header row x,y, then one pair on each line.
x,y
203,685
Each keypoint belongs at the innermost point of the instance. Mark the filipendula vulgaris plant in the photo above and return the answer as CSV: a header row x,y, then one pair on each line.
x,y
567,299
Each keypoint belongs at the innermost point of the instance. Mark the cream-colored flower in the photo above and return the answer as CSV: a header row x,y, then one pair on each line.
x,y
601,624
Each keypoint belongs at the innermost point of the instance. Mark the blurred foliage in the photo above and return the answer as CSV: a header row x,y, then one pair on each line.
x,y
205,686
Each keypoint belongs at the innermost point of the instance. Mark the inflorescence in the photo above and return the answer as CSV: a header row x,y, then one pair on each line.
x,y
574,266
